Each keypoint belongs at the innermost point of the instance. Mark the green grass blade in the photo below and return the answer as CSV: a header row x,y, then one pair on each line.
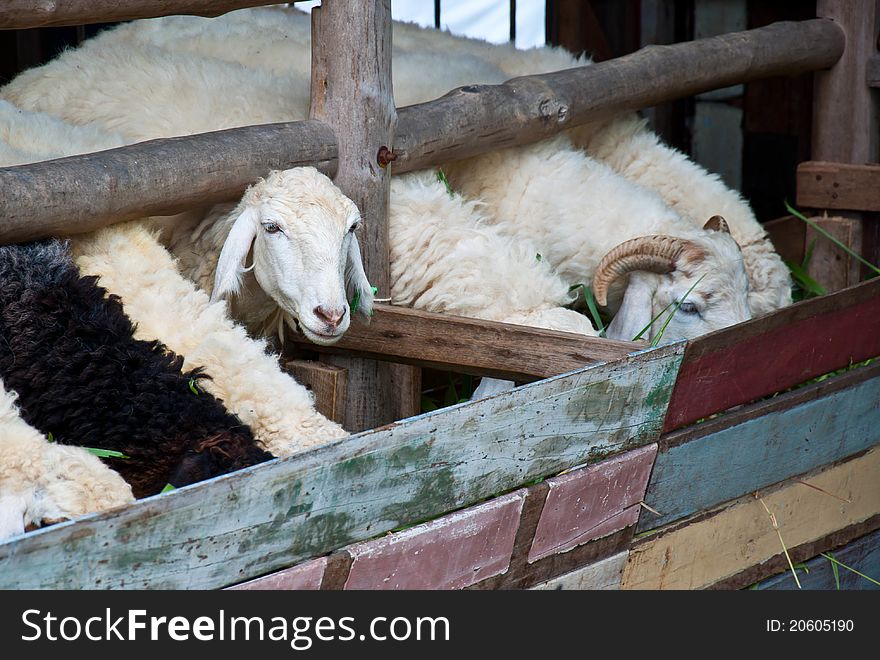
x,y
651,322
834,562
106,453
804,281
831,238
594,310
441,177
168,488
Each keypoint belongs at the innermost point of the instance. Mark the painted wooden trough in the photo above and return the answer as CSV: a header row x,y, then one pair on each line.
x,y
694,465
655,490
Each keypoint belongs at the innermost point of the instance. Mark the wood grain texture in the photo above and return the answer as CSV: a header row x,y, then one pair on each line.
x,y
830,266
593,502
351,92
303,577
326,382
479,118
159,177
873,71
277,514
452,552
762,444
843,186
604,575
696,555
20,14
474,346
862,555
772,353
83,193
788,234
848,132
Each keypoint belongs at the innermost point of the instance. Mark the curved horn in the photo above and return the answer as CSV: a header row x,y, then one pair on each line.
x,y
717,223
655,254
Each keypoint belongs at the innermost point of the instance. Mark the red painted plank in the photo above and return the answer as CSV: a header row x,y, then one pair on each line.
x,y
770,354
305,576
452,552
593,502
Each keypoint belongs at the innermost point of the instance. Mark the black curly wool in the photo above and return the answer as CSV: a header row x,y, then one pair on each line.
x,y
69,352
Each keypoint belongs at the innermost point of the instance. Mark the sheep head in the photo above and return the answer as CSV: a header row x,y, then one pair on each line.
x,y
301,231
704,273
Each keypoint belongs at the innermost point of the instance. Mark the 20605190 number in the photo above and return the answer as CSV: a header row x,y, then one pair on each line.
x,y
820,625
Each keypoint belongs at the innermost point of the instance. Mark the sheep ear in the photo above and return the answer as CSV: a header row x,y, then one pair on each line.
x,y
717,223
635,310
357,286
230,265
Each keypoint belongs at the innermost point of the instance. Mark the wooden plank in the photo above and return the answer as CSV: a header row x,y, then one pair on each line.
x,y
862,555
831,266
277,514
788,235
83,193
604,575
848,132
588,504
823,185
705,551
18,14
351,92
873,71
473,346
158,177
304,577
772,353
762,444
327,383
452,552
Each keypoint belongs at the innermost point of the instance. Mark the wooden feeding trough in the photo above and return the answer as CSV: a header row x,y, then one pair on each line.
x,y
616,466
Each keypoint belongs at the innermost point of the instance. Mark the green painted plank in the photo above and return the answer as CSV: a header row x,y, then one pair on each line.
x,y
273,515
712,468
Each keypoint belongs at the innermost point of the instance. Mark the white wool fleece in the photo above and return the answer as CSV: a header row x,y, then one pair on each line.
x,y
249,381
42,481
446,258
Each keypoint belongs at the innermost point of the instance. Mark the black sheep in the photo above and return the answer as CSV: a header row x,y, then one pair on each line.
x,y
70,354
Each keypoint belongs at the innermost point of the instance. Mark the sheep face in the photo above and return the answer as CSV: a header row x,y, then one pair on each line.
x,y
301,231
704,274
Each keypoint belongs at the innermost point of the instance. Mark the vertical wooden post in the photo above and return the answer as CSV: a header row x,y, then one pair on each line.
x,y
846,118
351,92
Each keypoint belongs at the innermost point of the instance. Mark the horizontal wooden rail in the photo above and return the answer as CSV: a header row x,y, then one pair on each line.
x,y
842,186
81,193
775,352
19,14
482,348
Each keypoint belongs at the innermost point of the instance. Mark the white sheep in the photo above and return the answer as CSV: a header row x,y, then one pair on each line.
x,y
277,40
165,305
42,482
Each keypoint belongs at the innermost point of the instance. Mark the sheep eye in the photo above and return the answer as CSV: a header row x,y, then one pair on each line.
x,y
271,227
687,308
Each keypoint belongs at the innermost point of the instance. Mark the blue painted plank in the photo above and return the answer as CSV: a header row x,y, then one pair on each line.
x,y
862,555
715,468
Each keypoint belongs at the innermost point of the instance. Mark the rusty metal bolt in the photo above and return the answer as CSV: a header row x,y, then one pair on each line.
x,y
385,156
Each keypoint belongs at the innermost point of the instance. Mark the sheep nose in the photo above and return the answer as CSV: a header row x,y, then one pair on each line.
x,y
331,317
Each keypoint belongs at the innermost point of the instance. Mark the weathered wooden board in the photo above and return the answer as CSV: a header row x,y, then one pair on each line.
x,y
274,515
699,553
604,575
305,576
593,502
822,185
763,444
452,552
862,555
772,353
831,266
327,383
788,235
481,348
